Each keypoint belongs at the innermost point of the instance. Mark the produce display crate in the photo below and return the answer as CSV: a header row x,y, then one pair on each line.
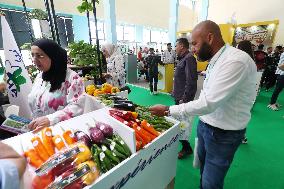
x,y
151,167
92,103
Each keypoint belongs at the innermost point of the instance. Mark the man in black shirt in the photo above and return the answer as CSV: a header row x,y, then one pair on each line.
x,y
152,61
185,86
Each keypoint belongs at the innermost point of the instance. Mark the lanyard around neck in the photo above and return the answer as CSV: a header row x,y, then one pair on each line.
x,y
212,64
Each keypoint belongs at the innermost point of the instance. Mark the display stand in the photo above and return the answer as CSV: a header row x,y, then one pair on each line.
x,y
151,167
165,78
92,103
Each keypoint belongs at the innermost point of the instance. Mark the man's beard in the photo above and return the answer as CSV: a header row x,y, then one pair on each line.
x,y
205,52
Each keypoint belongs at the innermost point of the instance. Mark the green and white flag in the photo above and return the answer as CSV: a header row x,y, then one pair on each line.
x,y
18,81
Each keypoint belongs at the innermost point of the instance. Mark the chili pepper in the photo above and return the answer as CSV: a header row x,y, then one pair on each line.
x,y
121,120
123,114
33,158
58,142
46,134
40,149
134,115
69,137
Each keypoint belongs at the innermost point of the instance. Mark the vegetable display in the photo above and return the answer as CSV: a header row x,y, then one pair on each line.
x,y
75,159
104,89
146,126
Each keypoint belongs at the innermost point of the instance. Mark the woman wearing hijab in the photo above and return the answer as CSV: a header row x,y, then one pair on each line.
x,y
115,65
57,92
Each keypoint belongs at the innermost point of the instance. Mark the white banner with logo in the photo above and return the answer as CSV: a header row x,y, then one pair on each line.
x,y
18,81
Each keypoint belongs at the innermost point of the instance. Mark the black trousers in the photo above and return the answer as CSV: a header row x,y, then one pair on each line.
x,y
278,88
268,79
155,78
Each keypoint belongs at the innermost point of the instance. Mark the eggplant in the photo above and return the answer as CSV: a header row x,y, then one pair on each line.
x,y
122,101
83,137
117,98
105,128
96,135
125,106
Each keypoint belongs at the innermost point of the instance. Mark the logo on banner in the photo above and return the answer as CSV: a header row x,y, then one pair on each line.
x,y
15,78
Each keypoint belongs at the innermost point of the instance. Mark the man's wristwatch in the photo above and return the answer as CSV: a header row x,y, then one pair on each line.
x,y
167,112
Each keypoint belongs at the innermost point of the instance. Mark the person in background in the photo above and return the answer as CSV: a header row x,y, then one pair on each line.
x,y
246,46
277,54
157,52
116,75
185,86
58,92
268,78
169,55
12,167
224,103
269,50
279,85
145,52
152,61
139,54
260,58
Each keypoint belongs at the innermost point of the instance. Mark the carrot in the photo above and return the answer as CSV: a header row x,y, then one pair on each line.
x,y
69,137
145,133
138,145
46,134
146,139
33,158
39,148
58,142
140,140
149,128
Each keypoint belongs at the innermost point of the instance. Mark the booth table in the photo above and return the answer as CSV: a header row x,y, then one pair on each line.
x,y
154,166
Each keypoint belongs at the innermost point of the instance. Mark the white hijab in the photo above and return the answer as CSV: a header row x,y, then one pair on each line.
x,y
113,50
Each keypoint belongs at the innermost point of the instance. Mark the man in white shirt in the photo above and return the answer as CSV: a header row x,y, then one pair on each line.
x,y
169,56
224,103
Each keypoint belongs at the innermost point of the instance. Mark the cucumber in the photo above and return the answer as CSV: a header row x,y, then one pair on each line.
x,y
108,153
95,154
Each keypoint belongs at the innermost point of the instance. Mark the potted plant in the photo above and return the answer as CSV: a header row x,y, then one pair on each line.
x,y
38,14
84,56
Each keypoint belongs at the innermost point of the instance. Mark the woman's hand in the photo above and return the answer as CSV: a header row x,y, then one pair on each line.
x,y
38,124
